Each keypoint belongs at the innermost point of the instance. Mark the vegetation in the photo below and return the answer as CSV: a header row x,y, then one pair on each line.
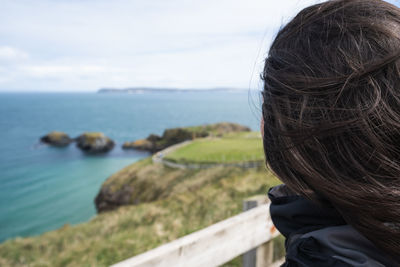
x,y
164,204
154,143
231,148
141,182
194,202
218,129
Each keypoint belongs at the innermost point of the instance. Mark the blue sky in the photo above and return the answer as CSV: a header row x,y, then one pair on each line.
x,y
84,45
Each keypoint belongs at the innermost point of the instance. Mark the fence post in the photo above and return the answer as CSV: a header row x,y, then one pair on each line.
x,y
261,256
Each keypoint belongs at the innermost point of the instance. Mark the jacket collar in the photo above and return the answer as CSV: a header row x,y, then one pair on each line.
x,y
317,235
292,213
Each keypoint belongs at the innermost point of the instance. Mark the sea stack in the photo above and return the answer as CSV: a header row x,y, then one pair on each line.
x,y
94,142
56,139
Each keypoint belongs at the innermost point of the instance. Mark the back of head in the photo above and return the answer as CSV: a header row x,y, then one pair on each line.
x,y
331,112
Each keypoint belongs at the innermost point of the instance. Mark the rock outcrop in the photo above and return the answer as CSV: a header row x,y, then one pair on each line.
x,y
155,143
56,139
144,182
107,199
94,143
141,144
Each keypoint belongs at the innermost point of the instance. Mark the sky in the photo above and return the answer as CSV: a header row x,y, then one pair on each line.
x,y
84,45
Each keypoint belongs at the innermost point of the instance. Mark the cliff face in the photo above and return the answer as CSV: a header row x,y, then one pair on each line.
x,y
140,182
145,181
155,143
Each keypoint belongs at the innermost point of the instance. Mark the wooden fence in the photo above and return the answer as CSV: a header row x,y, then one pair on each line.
x,y
249,233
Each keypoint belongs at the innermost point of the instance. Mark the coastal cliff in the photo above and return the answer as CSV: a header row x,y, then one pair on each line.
x,y
141,182
145,181
174,203
144,205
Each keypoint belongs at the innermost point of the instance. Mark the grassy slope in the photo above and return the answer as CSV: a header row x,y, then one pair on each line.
x,y
186,201
231,148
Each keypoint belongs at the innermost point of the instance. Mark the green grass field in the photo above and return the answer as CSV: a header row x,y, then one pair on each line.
x,y
231,148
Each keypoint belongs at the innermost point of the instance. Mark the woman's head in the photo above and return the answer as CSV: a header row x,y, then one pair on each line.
x,y
331,111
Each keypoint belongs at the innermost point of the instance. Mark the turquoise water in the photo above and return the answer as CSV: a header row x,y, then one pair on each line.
x,y
42,188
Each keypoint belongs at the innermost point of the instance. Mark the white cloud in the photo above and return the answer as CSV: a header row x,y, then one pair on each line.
x,y
84,45
61,70
9,53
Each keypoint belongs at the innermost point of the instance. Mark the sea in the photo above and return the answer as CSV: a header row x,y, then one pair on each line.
x,y
43,188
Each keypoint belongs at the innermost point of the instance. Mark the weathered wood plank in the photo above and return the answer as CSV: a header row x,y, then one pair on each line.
x,y
214,245
264,254
261,256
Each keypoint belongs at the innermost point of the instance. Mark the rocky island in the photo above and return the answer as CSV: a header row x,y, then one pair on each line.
x,y
90,142
94,142
56,138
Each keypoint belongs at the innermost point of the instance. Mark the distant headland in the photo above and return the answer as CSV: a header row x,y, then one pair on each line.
x,y
140,90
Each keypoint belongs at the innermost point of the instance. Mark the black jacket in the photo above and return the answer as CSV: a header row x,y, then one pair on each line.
x,y
317,236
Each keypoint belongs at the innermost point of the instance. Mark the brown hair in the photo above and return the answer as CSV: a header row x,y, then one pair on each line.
x,y
331,111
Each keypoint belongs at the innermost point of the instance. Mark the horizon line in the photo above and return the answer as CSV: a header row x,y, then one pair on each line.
x,y
127,88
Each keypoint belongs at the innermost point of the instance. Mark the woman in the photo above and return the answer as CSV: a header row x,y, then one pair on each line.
x,y
331,133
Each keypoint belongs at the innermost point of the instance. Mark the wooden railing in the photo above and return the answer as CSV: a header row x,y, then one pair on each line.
x,y
249,233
